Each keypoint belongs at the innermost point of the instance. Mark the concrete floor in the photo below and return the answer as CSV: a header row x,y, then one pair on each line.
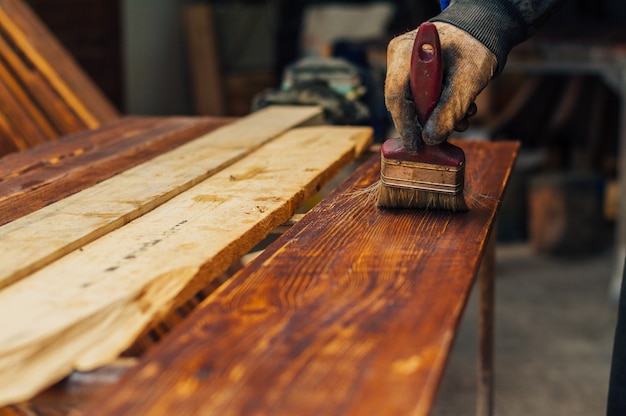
x,y
554,334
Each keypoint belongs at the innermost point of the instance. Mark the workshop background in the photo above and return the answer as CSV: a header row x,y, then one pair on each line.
x,y
556,262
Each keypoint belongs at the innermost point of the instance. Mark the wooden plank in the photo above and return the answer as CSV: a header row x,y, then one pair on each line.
x,y
35,43
44,92
43,97
68,395
203,58
35,178
353,311
8,143
43,236
84,309
17,164
17,132
22,120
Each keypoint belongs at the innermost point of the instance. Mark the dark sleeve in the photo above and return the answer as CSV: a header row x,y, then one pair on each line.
x,y
498,24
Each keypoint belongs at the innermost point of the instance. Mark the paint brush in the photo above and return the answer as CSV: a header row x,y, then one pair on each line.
x,y
434,176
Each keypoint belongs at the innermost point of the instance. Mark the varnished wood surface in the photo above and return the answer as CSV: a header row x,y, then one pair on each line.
x,y
72,392
351,312
44,94
47,173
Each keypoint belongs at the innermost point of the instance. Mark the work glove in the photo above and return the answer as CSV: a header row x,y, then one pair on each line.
x,y
468,66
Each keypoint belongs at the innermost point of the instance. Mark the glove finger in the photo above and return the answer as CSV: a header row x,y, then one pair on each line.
x,y
398,98
451,109
461,125
468,67
472,110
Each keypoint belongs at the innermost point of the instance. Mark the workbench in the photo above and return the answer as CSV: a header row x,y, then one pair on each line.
x,y
353,310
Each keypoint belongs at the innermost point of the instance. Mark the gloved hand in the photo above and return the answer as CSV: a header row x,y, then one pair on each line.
x,y
468,66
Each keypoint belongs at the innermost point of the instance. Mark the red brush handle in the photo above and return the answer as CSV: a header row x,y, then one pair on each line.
x,y
426,71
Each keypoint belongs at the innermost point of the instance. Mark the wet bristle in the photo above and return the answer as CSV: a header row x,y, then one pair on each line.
x,y
393,197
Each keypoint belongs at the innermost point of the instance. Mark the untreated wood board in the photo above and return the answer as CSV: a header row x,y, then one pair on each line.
x,y
84,309
37,177
351,312
35,240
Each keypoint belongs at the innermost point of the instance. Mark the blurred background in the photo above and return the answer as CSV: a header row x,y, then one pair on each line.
x,y
562,95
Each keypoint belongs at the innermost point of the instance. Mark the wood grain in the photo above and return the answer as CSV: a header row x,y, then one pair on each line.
x,y
47,173
34,240
42,85
72,392
352,312
42,97
22,124
84,309
45,52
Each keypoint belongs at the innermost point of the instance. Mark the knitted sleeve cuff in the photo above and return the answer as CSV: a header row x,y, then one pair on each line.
x,y
496,24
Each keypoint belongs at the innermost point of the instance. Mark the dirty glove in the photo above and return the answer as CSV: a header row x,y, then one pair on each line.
x,y
468,66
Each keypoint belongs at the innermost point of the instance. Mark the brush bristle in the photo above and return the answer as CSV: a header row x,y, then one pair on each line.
x,y
432,178
392,197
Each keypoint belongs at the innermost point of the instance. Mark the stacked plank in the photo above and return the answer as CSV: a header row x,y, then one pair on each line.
x,y
85,275
44,94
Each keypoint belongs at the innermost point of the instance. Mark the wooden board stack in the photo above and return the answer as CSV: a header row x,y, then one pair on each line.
x,y
86,275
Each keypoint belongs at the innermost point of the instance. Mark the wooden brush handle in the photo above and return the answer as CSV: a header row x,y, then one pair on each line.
x,y
426,71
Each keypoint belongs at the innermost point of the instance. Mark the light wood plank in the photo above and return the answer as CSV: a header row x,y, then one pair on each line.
x,y
87,307
37,239
351,312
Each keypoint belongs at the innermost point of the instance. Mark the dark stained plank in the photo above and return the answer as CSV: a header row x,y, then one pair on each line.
x,y
70,393
17,164
47,173
353,311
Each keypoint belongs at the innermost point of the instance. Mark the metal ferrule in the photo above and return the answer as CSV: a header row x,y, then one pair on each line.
x,y
422,176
